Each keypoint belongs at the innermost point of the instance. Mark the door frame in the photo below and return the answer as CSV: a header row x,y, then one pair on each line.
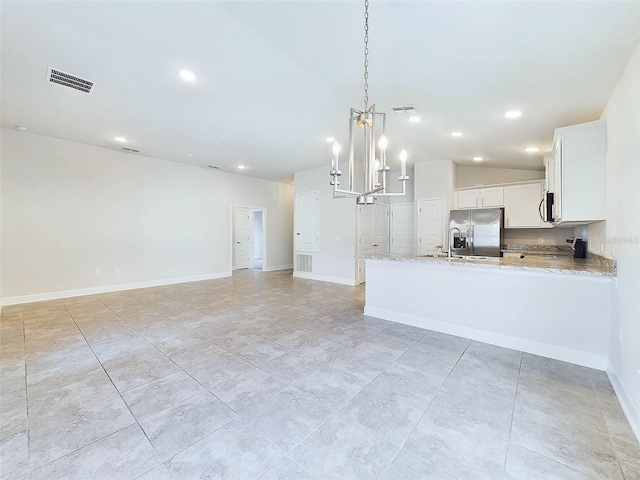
x,y
233,234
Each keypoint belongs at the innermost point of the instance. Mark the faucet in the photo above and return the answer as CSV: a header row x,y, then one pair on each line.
x,y
451,238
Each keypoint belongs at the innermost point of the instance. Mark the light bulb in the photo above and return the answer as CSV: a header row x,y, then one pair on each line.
x,y
403,155
336,148
382,143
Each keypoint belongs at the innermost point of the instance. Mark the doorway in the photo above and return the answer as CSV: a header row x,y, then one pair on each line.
x,y
257,239
248,238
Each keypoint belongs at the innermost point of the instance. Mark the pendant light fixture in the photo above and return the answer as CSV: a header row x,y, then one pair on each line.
x,y
373,171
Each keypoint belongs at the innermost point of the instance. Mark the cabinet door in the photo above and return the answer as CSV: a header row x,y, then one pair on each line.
x,y
521,206
467,199
492,197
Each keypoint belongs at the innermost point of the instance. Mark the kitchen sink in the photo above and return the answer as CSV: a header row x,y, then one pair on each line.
x,y
470,257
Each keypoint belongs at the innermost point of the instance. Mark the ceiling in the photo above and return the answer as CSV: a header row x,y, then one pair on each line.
x,y
275,79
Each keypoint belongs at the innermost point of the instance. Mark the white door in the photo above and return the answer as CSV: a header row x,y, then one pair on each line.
x,y
307,227
242,238
365,237
380,228
431,225
373,234
403,228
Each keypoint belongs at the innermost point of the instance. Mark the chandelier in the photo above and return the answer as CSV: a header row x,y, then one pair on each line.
x,y
372,170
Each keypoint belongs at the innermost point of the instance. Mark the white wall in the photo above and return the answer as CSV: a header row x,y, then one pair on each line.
x,y
620,235
435,179
335,260
70,208
531,236
467,176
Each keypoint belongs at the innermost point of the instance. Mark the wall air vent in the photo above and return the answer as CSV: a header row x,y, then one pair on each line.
x,y
131,150
304,263
68,80
404,109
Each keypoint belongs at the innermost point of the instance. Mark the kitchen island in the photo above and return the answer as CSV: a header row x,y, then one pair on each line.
x,y
554,307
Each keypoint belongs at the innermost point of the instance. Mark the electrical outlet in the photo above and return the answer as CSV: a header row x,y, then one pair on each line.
x,y
98,271
116,270
540,240
620,337
601,247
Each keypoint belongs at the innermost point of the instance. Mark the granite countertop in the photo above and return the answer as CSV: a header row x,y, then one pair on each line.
x,y
593,266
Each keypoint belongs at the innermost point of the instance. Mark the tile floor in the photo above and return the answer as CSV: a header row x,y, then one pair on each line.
x,y
265,376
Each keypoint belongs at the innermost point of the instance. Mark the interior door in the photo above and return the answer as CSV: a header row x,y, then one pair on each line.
x,y
380,228
402,228
431,226
365,238
307,227
373,234
242,238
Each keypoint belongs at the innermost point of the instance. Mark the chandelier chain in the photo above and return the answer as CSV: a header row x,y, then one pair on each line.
x,y
366,54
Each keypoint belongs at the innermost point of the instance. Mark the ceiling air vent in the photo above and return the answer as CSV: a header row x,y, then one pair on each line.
x,y
214,167
129,149
68,80
404,109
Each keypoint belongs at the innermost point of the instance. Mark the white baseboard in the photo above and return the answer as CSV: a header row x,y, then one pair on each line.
x,y
587,359
630,409
278,267
324,278
39,297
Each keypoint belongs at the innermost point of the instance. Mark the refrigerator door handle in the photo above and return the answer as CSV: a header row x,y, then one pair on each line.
x,y
471,250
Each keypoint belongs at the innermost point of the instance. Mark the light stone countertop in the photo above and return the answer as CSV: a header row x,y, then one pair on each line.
x,y
593,266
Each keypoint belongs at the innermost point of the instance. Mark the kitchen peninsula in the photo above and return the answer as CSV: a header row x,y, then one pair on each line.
x,y
554,307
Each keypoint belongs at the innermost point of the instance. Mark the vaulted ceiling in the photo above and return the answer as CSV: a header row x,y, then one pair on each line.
x,y
275,79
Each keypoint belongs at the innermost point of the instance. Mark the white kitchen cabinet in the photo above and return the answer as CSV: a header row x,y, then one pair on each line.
x,y
491,197
521,204
579,152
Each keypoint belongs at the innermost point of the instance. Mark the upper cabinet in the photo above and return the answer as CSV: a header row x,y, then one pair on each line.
x,y
579,186
521,206
479,198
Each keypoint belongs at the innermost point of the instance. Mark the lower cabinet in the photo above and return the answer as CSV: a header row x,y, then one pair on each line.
x,y
521,206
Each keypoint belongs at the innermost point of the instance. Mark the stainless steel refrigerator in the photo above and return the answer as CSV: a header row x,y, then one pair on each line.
x,y
479,232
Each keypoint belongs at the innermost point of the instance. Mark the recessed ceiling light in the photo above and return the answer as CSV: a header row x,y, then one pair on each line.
x,y
513,113
224,139
414,118
22,129
188,75
531,149
189,154
331,139
120,140
456,134
241,167
477,159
